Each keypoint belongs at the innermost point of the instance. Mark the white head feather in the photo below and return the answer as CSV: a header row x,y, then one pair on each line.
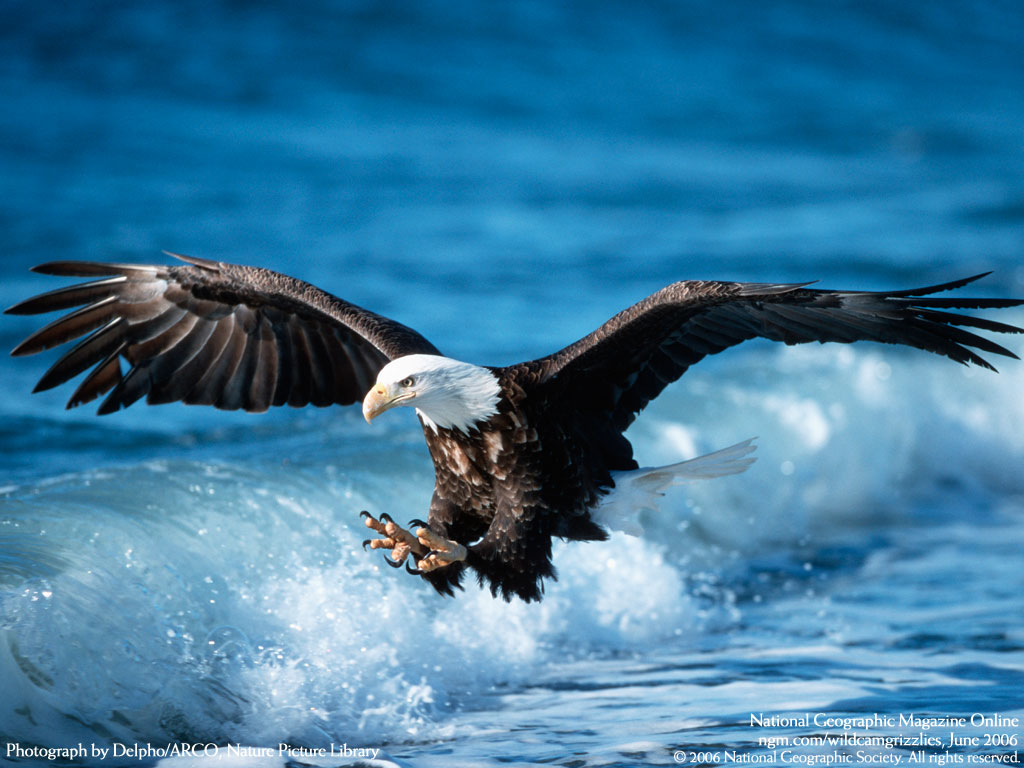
x,y
446,393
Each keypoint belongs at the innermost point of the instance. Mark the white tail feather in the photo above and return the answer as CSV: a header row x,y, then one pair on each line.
x,y
637,490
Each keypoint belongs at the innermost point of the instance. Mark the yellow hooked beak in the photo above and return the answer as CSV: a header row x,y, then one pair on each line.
x,y
380,399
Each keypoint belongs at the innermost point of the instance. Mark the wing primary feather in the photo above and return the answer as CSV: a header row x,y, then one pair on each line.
x,y
95,347
68,327
93,269
952,318
133,386
67,297
968,339
965,303
101,379
951,285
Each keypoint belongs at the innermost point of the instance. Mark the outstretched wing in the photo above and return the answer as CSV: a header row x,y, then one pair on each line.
x,y
210,333
629,360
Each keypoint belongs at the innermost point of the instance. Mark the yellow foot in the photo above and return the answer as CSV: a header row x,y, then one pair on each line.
x,y
441,551
397,539
429,550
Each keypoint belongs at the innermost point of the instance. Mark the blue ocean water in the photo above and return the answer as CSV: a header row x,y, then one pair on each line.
x,y
505,179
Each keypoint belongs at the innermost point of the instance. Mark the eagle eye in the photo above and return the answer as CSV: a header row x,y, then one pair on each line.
x,y
407,382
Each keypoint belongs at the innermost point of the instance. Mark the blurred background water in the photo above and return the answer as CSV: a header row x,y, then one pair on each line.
x,y
504,179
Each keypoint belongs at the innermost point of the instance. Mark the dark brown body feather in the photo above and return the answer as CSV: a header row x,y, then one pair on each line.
x,y
524,476
247,338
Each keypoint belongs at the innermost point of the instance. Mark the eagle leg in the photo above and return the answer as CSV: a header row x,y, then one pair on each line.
x,y
439,551
397,539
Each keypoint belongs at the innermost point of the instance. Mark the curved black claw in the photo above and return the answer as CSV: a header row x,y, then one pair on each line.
x,y
365,542
413,571
391,562
417,523
385,518
364,513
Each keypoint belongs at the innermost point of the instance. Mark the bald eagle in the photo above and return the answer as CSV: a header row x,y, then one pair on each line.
x,y
521,453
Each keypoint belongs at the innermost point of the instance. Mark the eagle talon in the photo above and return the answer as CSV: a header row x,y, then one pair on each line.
x,y
441,552
429,550
401,542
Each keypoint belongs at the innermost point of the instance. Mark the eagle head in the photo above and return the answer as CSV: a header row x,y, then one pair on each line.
x,y
446,393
